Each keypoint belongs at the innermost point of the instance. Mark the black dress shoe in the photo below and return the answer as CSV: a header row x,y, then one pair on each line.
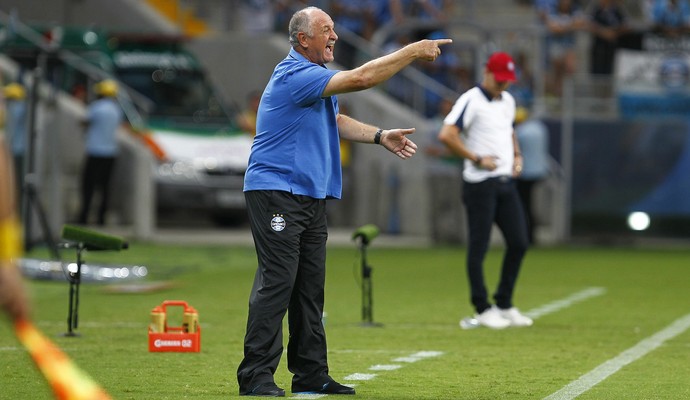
x,y
331,387
268,389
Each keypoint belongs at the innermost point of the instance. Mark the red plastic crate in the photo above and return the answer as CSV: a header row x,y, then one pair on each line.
x,y
174,339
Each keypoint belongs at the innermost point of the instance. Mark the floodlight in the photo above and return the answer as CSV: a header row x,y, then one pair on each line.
x,y
638,221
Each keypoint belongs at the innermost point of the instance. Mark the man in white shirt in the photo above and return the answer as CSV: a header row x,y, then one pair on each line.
x,y
479,129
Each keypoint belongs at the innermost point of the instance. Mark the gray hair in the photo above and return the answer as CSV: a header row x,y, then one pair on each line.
x,y
300,22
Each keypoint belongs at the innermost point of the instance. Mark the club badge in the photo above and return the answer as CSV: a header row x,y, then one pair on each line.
x,y
278,222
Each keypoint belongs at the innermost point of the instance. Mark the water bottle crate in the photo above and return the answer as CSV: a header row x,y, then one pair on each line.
x,y
185,338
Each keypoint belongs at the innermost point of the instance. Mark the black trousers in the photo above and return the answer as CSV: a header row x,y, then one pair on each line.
x,y
290,234
96,177
525,189
492,201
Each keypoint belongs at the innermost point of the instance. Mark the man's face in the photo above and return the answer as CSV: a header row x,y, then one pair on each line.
x,y
319,47
493,86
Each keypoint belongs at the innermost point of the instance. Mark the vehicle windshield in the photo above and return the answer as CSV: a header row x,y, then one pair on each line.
x,y
181,95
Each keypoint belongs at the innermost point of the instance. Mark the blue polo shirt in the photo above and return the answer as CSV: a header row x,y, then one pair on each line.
x,y
296,147
104,116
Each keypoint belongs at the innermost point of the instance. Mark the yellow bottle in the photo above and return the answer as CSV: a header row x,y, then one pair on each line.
x,y
157,319
190,320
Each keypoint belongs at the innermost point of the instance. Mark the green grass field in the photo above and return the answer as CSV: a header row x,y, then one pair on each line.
x,y
419,297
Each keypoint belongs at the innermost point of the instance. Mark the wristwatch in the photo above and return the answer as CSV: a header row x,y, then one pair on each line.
x,y
377,136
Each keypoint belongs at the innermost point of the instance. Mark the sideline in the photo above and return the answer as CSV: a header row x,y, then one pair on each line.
x,y
558,305
610,367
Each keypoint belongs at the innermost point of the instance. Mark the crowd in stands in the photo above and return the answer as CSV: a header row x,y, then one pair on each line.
x,y
607,23
562,21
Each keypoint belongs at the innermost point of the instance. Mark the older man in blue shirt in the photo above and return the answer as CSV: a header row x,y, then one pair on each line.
x,y
293,168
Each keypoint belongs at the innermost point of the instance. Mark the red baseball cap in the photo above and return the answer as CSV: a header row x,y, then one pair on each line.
x,y
502,66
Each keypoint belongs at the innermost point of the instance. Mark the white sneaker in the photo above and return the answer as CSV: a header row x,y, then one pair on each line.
x,y
515,317
491,318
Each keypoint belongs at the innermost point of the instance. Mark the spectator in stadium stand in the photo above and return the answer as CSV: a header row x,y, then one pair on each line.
x,y
14,301
608,22
479,129
670,18
294,167
562,28
103,117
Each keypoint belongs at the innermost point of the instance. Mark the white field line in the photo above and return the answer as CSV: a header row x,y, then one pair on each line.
x,y
360,377
385,367
558,305
420,355
610,367
308,396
